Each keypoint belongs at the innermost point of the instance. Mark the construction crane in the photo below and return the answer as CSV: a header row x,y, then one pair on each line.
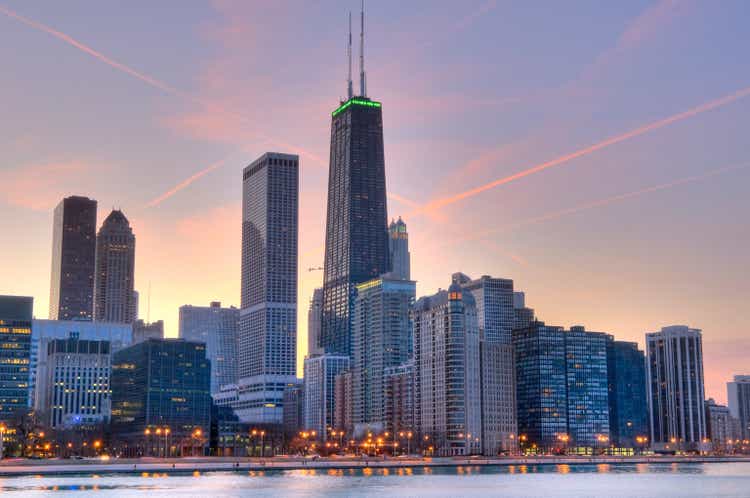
x,y
317,268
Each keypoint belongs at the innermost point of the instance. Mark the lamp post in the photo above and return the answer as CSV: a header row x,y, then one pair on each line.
x,y
166,441
2,441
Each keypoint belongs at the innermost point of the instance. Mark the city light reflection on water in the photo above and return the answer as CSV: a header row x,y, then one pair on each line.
x,y
721,480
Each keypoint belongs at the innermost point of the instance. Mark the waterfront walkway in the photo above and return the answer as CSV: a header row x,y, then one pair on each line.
x,y
19,467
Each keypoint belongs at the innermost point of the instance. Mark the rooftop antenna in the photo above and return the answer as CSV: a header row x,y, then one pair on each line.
x,y
349,89
148,309
362,83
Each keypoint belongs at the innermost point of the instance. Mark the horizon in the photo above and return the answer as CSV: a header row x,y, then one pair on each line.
x,y
592,160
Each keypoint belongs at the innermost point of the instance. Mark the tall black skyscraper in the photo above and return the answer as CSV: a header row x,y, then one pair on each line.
x,y
71,294
357,223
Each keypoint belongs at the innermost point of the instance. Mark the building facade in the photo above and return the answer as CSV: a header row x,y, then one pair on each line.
x,y
563,390
381,338
356,244
738,394
496,318
73,259
343,401
522,316
73,383
399,400
315,322
267,336
494,298
723,429
15,356
499,424
541,386
675,389
119,336
320,381
398,244
294,409
115,270
160,384
587,388
447,372
143,331
628,406
217,328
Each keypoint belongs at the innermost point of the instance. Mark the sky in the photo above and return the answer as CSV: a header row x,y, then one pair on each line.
x,y
594,152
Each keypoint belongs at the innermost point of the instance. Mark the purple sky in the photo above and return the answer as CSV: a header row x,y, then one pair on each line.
x,y
627,122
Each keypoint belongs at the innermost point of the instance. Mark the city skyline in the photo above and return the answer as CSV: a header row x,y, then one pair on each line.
x,y
607,244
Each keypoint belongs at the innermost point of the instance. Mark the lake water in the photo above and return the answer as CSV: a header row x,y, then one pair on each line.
x,y
720,480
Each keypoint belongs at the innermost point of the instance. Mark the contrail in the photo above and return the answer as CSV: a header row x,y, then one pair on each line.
x,y
437,204
184,183
98,55
606,201
152,81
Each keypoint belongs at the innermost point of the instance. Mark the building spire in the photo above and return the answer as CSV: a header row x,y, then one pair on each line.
x,y
349,89
362,82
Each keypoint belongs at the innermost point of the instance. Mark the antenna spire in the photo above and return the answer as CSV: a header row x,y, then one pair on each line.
x,y
349,89
362,82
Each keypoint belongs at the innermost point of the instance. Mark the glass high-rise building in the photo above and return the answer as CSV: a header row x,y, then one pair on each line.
x,y
356,247
15,355
158,384
267,335
320,380
315,322
628,407
587,388
217,328
562,389
381,338
73,259
115,271
541,385
676,394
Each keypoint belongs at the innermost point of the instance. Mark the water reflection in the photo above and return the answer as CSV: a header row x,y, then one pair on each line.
x,y
548,480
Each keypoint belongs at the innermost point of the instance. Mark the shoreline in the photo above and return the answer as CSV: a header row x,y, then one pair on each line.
x,y
226,464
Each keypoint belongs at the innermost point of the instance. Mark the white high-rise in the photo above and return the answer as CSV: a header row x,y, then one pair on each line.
x,y
448,405
267,337
675,388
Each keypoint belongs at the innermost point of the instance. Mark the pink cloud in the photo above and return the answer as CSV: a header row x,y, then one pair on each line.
x,y
41,186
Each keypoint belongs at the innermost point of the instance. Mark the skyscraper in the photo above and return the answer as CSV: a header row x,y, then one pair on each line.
x,y
115,270
398,243
738,394
73,260
675,388
494,299
267,344
563,399
381,338
628,408
15,355
447,372
356,244
217,328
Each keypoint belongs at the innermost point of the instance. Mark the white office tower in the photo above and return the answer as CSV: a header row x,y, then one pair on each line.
x,y
267,337
447,400
675,389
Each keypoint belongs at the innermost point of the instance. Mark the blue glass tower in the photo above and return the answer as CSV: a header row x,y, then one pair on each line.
x,y
628,407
